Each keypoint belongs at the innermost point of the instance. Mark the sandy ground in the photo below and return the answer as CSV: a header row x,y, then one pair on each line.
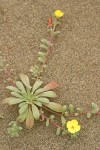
x,y
74,64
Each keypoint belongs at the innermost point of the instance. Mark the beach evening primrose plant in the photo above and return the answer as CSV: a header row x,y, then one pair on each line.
x,y
33,99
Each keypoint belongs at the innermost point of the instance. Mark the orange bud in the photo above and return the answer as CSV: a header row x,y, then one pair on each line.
x,y
50,22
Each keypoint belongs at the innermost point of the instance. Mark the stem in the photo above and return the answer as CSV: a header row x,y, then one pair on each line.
x,y
71,115
53,123
8,74
49,50
52,111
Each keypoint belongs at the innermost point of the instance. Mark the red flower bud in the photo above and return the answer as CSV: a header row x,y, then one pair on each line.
x,y
50,22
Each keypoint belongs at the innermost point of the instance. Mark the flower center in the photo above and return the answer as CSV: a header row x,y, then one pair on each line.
x,y
73,127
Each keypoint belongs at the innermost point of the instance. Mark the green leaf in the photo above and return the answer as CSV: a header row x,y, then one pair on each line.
x,y
37,103
54,106
66,114
63,121
43,100
11,123
50,94
22,104
12,101
16,94
12,88
36,85
89,115
74,135
79,110
64,132
76,114
71,108
35,70
58,131
46,42
19,128
52,117
14,130
55,22
23,109
35,111
38,91
64,108
25,80
41,59
22,116
41,54
95,108
56,33
43,46
47,122
20,86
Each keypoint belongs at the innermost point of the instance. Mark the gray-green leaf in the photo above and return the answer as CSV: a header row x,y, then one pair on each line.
x,y
37,103
36,85
58,131
47,122
43,100
71,108
20,86
12,101
24,78
48,94
63,121
12,88
16,94
23,108
89,115
54,106
43,46
35,111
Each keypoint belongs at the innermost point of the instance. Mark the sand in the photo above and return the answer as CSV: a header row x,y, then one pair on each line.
x,y
74,64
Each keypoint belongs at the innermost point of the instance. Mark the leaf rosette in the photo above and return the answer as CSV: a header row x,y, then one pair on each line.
x,y
31,98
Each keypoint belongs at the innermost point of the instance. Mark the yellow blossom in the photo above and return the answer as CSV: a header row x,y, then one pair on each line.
x,y
73,126
58,13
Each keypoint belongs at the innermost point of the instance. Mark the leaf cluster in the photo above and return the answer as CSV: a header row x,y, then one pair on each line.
x,y
14,129
94,110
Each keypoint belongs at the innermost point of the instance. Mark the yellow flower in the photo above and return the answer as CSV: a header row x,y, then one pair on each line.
x,y
73,126
58,13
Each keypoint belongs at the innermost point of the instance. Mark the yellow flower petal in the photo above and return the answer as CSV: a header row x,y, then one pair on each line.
x,y
77,128
73,126
61,14
58,13
71,130
68,124
74,122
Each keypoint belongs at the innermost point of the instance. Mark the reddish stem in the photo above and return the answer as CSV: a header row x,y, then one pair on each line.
x,y
49,50
8,74
71,115
53,123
